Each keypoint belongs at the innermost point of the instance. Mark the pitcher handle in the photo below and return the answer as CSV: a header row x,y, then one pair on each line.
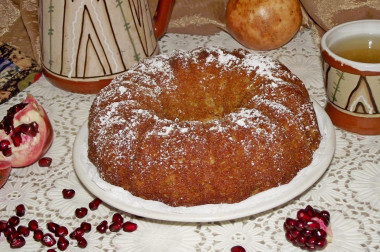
x,y
161,17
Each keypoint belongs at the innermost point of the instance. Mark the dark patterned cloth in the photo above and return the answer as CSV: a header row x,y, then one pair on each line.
x,y
17,71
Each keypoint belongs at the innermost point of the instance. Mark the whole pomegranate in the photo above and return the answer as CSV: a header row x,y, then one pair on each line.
x,y
263,24
25,133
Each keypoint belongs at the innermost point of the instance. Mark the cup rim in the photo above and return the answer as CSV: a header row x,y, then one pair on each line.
x,y
367,67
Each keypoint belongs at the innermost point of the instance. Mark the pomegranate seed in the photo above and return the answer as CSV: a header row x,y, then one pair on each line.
x,y
237,249
301,240
13,221
86,227
312,225
20,210
48,240
320,233
3,225
4,144
44,162
303,215
93,205
62,243
68,193
82,243
78,232
321,243
33,225
129,226
17,130
51,250
306,232
52,227
289,236
310,211
34,127
16,108
289,224
326,215
26,129
61,231
81,212
23,230
9,230
7,152
117,218
17,242
16,139
311,241
102,227
300,225
12,236
115,227
38,235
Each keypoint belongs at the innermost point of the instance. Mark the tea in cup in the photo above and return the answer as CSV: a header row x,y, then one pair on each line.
x,y
351,63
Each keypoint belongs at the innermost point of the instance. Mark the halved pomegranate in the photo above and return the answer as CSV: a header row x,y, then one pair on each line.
x,y
25,133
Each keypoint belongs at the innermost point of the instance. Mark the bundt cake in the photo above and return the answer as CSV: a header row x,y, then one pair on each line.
x,y
202,127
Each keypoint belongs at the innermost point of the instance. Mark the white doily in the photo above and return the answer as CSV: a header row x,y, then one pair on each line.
x,y
349,189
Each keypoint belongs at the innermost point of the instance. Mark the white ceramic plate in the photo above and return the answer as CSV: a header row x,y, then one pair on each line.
x,y
123,200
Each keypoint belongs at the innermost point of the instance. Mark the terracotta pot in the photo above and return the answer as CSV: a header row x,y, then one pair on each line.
x,y
85,44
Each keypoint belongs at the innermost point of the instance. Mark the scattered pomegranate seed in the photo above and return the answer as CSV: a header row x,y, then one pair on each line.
x,y
78,232
62,243
117,218
3,225
23,230
20,210
85,226
13,221
51,250
52,227
48,240
102,227
12,236
33,225
9,230
45,162
82,243
129,226
115,226
93,205
237,249
17,242
38,235
81,212
68,193
310,230
61,231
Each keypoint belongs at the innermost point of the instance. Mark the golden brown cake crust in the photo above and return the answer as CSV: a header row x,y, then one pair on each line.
x,y
202,127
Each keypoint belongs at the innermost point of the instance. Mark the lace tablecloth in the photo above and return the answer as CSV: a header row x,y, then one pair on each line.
x,y
349,190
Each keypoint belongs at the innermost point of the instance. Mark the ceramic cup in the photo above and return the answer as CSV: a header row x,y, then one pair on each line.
x,y
352,87
86,43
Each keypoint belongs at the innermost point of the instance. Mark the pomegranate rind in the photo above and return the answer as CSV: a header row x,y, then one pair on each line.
x,y
31,148
5,170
